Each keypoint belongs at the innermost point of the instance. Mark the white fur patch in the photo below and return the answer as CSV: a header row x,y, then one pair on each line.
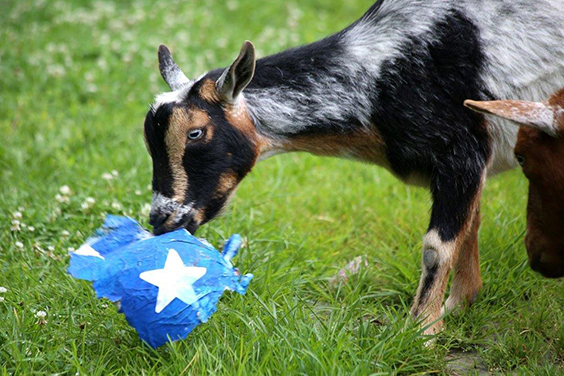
x,y
445,250
175,96
171,97
524,44
380,37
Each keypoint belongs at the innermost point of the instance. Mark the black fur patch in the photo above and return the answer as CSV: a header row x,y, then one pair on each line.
x,y
426,129
430,277
155,128
228,151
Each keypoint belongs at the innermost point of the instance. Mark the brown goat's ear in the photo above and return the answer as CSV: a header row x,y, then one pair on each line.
x,y
170,71
538,115
236,78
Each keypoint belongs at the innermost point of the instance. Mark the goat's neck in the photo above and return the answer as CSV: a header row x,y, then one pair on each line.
x,y
324,117
297,101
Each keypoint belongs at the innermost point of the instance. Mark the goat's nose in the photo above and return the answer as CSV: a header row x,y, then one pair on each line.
x,y
535,263
157,219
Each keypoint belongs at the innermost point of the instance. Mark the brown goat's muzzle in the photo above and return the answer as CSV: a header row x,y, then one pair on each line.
x,y
544,257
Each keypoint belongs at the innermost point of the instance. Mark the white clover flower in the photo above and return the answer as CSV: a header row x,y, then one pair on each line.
x,y
17,215
138,192
62,199
50,248
221,43
88,202
232,5
149,187
145,210
41,314
65,190
15,226
116,205
54,214
65,233
31,228
3,290
1,299
19,245
56,70
107,176
91,88
70,249
102,63
115,173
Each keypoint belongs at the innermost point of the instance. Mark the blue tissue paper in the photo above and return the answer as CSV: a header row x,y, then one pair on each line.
x,y
165,285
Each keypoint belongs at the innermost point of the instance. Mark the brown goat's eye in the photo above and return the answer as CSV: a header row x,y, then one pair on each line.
x,y
195,134
520,159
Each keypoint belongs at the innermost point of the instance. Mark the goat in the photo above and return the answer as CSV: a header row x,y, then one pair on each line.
x,y
540,152
388,90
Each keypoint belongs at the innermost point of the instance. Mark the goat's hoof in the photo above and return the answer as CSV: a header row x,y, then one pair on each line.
x,y
434,328
454,303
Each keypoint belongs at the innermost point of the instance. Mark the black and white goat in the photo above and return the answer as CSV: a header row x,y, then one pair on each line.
x,y
389,90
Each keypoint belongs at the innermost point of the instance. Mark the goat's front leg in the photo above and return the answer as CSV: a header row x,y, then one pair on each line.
x,y
466,282
455,202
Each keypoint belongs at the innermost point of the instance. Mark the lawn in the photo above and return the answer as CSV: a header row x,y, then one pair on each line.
x,y
77,78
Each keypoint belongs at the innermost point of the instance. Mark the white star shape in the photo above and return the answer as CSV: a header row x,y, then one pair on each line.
x,y
87,250
174,281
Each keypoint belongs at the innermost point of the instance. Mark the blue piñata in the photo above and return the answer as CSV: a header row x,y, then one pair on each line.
x,y
165,285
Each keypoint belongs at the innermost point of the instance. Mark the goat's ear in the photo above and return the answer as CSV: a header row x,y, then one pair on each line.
x,y
236,78
171,73
538,115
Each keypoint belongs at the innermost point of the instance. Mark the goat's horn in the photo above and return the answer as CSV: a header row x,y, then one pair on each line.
x,y
170,71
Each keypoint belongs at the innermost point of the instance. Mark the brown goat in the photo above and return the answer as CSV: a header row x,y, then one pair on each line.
x,y
540,152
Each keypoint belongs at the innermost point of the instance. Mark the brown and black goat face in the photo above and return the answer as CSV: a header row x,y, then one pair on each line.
x,y
540,152
202,142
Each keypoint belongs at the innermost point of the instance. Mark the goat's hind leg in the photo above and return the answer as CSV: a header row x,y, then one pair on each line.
x,y
455,200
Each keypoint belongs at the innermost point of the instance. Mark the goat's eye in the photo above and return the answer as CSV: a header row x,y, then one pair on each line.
x,y
195,134
520,159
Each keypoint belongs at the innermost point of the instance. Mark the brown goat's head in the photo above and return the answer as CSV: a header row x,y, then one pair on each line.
x,y
540,152
202,142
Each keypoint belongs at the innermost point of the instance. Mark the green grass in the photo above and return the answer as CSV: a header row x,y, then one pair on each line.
x,y
76,78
